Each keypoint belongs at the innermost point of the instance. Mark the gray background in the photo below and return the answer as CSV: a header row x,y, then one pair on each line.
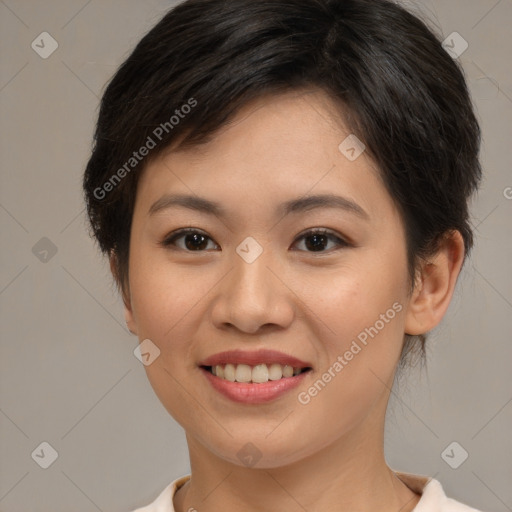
x,y
68,373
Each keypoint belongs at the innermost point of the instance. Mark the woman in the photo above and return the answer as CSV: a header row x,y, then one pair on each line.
x,y
282,188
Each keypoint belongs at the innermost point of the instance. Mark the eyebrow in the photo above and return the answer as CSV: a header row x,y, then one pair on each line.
x,y
299,205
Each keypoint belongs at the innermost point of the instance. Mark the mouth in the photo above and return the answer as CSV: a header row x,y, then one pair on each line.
x,y
257,374
254,377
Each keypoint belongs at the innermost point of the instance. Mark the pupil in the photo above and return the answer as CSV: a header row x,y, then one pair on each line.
x,y
196,237
319,241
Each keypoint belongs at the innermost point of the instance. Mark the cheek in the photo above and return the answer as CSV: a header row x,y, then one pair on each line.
x,y
165,307
161,294
163,304
361,334
346,301
359,314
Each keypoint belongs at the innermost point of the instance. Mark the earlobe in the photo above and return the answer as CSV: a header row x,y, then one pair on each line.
x,y
128,313
130,323
435,285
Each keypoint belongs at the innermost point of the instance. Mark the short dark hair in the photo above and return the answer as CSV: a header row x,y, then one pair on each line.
x,y
398,91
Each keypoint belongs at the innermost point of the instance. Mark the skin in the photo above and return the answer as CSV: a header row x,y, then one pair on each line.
x,y
327,455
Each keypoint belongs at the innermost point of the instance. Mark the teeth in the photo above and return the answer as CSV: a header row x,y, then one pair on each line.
x,y
229,372
257,374
287,371
243,373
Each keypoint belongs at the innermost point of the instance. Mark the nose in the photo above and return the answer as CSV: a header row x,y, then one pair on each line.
x,y
253,297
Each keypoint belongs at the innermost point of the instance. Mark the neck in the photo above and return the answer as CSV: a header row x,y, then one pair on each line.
x,y
350,474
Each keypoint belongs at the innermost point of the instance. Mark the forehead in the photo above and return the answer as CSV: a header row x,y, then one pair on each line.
x,y
274,148
295,114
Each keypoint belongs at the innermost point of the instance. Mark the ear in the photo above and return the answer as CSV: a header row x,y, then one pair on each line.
x,y
435,284
125,293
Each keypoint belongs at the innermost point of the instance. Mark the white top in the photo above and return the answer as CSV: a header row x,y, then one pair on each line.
x,y
433,498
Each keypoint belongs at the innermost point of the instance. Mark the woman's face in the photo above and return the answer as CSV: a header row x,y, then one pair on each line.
x,y
247,279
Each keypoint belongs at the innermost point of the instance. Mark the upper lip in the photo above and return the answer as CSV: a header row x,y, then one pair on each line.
x,y
253,358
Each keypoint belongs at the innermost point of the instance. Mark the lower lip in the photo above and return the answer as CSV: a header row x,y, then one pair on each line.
x,y
251,393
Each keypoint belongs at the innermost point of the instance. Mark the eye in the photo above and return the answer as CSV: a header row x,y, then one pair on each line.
x,y
315,240
193,240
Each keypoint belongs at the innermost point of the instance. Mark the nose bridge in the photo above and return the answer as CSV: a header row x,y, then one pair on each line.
x,y
251,295
252,281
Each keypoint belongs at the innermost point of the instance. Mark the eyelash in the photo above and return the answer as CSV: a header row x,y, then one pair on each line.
x,y
169,241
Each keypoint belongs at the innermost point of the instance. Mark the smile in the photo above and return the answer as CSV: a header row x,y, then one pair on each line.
x,y
254,377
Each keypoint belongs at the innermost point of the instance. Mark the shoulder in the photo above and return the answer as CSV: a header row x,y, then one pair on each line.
x,y
164,501
433,497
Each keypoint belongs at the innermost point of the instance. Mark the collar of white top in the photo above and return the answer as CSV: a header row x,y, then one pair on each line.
x,y
432,498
